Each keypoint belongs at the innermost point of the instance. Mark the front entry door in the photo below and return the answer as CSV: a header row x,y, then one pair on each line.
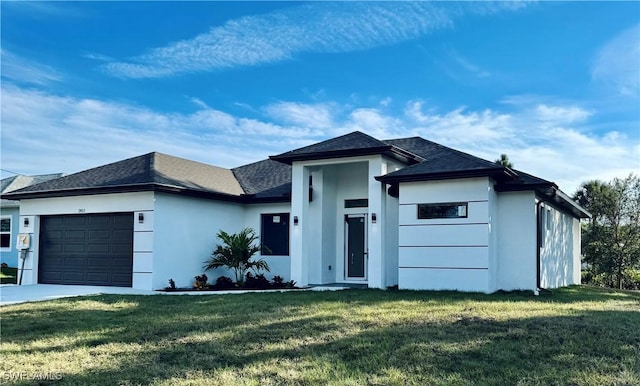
x,y
356,252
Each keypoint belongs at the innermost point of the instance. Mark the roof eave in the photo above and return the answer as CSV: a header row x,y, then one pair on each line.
x,y
291,158
123,189
497,173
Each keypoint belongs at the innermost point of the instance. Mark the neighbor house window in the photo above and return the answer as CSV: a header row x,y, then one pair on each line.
x,y
443,210
275,234
5,232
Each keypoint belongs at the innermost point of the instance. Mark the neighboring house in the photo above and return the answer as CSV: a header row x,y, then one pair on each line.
x,y
352,209
9,213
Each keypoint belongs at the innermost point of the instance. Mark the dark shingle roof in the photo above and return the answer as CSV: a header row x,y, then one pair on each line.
x,y
265,179
348,145
441,162
149,170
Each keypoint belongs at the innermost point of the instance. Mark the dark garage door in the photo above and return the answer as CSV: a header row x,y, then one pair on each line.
x,y
92,249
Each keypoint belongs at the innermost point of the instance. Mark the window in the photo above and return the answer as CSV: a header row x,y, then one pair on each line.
x,y
5,232
443,210
275,234
358,203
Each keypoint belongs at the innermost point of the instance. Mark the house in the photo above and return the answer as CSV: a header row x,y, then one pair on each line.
x,y
9,212
352,209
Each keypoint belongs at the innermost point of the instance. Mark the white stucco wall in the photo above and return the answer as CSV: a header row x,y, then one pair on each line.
x,y
279,265
559,260
184,236
516,258
444,254
103,203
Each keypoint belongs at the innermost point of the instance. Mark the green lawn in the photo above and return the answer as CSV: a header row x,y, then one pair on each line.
x,y
573,336
8,275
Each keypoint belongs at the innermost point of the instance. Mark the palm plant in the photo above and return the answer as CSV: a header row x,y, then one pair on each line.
x,y
235,253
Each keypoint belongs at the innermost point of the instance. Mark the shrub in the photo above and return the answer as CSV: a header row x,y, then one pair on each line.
x,y
224,282
235,253
278,282
172,286
201,282
258,281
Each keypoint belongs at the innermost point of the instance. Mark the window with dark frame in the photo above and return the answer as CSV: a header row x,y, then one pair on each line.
x,y
357,203
275,234
443,210
5,232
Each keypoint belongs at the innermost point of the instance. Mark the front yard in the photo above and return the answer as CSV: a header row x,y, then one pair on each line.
x,y
574,336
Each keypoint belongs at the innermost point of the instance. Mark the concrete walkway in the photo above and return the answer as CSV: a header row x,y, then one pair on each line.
x,y
13,294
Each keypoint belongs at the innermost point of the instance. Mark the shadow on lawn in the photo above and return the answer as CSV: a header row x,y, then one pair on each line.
x,y
210,335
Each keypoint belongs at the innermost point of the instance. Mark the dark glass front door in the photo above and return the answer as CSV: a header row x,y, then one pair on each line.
x,y
356,252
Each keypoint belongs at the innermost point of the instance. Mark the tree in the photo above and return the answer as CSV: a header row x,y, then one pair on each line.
x,y
235,253
611,239
504,161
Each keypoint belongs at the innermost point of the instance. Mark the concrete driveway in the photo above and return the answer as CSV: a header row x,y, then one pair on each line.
x,y
12,294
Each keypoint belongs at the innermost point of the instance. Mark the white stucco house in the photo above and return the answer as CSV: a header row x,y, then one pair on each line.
x,y
353,209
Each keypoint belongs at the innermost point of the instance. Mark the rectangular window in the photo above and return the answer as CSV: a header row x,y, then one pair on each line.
x,y
359,203
5,232
275,234
443,210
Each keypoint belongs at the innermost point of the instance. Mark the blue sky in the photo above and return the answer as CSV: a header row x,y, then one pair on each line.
x,y
555,85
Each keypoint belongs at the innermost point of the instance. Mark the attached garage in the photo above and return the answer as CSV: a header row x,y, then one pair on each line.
x,y
91,249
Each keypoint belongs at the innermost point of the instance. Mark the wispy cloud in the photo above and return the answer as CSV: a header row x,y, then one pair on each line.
x,y
617,63
314,116
22,70
309,28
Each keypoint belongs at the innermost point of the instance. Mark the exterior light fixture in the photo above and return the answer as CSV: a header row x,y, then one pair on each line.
x,y
295,220
374,218
141,217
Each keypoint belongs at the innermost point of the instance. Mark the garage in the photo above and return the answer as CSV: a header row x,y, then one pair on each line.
x,y
91,249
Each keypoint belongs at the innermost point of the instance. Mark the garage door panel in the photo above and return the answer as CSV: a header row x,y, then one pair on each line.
x,y
99,235
87,249
117,249
98,277
75,235
75,222
121,263
101,248
74,248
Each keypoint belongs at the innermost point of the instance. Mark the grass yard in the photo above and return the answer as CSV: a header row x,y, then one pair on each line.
x,y
8,275
573,336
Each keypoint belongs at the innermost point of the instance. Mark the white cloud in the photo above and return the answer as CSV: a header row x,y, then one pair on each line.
x,y
19,69
617,64
561,114
45,133
313,116
311,28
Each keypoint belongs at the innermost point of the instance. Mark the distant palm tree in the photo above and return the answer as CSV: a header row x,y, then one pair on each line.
x,y
504,161
235,253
